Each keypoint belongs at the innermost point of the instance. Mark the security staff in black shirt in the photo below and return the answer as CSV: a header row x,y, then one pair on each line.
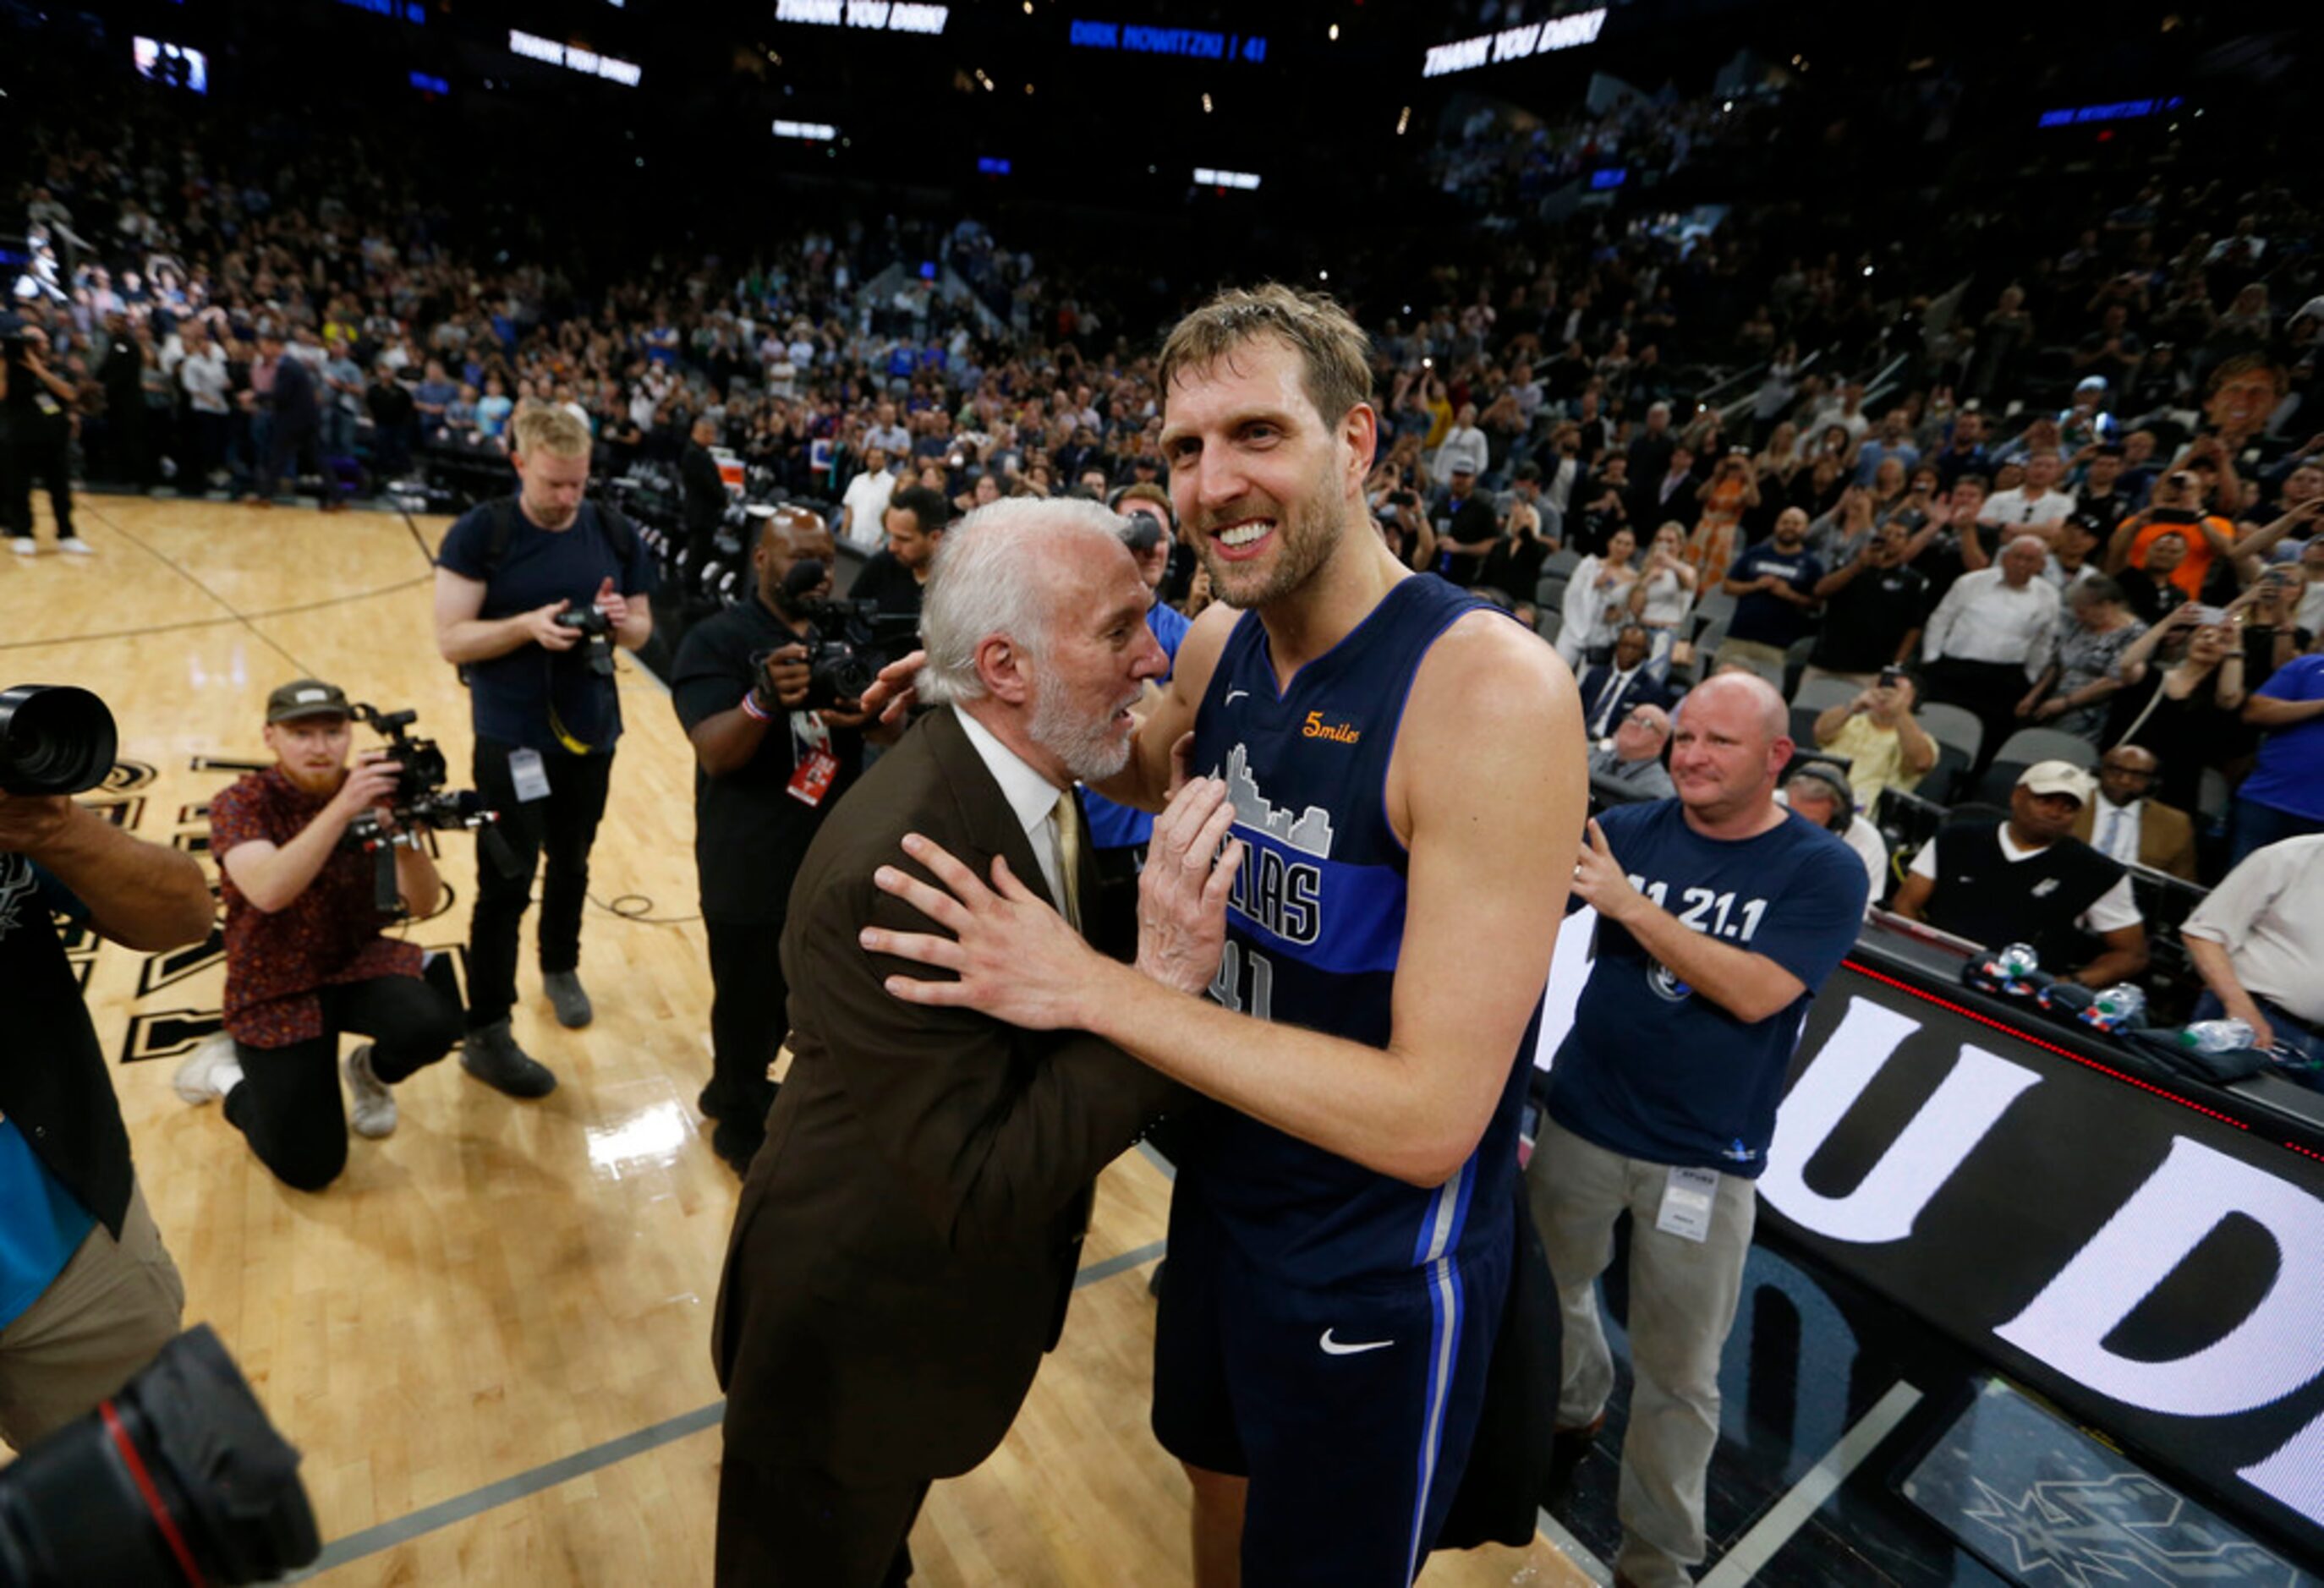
x,y
90,1293
36,422
767,772
705,489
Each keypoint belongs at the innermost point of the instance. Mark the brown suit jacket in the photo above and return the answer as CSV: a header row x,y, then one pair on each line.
x,y
907,1241
2166,837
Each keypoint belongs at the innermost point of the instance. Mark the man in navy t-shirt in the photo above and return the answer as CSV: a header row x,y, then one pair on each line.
x,y
1719,915
545,718
1774,586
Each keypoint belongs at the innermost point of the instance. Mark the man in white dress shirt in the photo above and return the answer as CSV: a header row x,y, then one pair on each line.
x,y
1989,635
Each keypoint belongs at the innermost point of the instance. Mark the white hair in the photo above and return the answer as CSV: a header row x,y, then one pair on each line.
x,y
991,577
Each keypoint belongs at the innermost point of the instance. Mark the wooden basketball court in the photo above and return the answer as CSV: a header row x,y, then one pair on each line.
x,y
490,1338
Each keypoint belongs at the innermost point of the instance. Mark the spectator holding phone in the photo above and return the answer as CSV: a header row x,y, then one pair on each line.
x,y
1885,748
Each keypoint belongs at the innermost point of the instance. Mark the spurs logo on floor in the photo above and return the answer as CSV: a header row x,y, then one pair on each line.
x,y
2125,1526
167,1034
16,892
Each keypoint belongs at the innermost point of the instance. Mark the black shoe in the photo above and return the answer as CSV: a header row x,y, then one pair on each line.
x,y
1153,1280
738,1144
566,996
1567,1447
492,1055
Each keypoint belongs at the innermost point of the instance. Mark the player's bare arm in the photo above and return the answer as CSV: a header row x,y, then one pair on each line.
x,y
1488,790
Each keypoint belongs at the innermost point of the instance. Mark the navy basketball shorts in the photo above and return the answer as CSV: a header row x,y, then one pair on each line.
x,y
1351,1410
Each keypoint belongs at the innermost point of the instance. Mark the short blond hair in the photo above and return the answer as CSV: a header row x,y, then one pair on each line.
x,y
541,427
1335,354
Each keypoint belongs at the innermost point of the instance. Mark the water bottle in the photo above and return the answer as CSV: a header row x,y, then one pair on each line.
x,y
2017,961
2217,1036
2119,1005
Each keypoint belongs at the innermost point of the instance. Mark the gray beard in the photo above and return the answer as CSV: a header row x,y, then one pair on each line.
x,y
1088,750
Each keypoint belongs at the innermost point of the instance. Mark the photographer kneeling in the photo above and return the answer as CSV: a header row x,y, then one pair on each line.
x,y
305,958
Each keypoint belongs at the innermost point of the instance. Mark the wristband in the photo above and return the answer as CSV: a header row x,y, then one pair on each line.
x,y
752,709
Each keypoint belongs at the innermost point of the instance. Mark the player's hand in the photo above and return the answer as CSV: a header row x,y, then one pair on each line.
x,y
2049,709
612,603
894,692
785,677
370,782
1599,880
1182,894
31,823
540,626
1017,959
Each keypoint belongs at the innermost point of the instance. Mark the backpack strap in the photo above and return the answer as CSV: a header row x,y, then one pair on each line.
x,y
619,533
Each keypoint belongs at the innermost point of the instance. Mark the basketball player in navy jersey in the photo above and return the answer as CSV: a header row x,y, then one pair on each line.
x,y
1407,773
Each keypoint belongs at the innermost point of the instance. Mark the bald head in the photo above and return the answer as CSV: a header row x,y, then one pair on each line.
x,y
1731,742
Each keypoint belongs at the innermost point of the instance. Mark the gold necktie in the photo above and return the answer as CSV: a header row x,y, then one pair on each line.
x,y
1065,820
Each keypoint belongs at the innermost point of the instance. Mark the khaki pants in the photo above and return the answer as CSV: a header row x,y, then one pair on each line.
x,y
1682,1297
99,1322
1760,657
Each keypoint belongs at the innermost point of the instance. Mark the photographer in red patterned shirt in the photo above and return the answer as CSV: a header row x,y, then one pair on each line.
x,y
305,958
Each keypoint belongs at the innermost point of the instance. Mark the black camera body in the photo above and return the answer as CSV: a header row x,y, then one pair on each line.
x,y
847,644
420,800
596,631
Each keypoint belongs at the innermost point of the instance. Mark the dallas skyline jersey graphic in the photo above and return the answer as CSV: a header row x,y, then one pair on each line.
x,y
1309,832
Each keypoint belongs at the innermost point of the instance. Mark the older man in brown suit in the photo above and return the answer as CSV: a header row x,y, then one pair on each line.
x,y
907,1239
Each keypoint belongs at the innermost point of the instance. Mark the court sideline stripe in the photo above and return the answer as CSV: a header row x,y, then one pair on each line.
x,y
1774,1530
460,1508
221,619
176,568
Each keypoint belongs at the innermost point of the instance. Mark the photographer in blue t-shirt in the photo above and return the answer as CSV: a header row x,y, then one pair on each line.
x,y
520,589
1719,915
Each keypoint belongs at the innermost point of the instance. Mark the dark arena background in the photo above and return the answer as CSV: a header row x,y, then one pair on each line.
x,y
2030,1300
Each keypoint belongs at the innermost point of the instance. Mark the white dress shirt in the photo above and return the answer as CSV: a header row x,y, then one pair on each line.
x,y
1608,696
2114,828
1031,795
1983,618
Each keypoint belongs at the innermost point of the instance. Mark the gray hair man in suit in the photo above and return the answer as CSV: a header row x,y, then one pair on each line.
x,y
907,1236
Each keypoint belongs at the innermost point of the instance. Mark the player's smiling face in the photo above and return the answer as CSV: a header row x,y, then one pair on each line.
x,y
1258,478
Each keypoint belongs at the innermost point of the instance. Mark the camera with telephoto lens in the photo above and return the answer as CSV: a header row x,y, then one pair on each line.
x,y
596,631
178,1479
54,738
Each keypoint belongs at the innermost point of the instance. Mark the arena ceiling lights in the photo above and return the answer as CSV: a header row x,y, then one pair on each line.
x,y
1539,38
814,131
573,58
877,16
1205,177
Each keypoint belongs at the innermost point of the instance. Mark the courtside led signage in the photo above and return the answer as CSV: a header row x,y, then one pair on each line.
x,y
877,16
1193,44
410,11
573,58
2120,110
1539,38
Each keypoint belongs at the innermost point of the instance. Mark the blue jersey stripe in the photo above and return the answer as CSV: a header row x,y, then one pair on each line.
x,y
1444,1299
1282,898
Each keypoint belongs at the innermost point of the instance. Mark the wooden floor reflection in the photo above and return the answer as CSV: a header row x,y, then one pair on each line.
x,y
501,1284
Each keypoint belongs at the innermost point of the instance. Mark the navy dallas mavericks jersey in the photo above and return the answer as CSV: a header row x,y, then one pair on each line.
x,y
1313,934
